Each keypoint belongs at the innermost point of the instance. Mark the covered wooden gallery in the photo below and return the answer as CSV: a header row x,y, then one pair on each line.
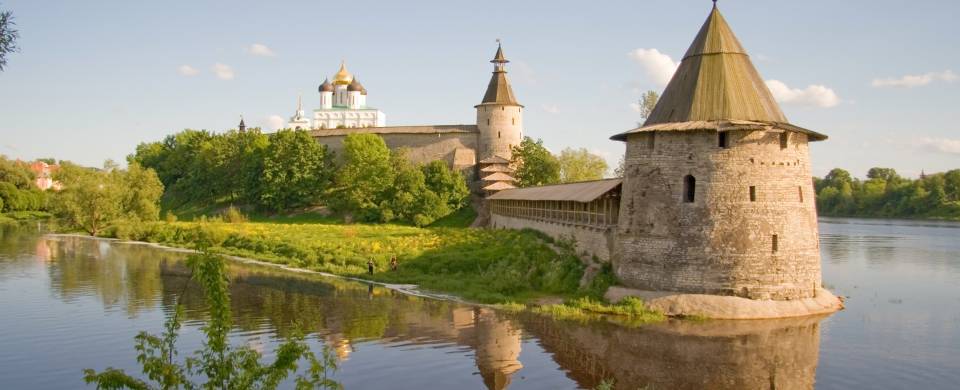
x,y
590,203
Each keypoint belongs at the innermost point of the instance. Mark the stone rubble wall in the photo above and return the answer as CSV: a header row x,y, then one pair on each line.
x,y
589,241
722,243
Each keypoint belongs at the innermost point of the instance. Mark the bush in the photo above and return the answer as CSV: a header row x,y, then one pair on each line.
x,y
233,215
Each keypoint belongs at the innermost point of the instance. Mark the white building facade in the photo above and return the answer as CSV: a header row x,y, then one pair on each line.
x,y
343,104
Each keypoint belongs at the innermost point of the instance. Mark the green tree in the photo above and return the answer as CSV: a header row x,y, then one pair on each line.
x,y
951,184
8,37
93,199
366,173
448,184
580,165
646,104
141,193
296,170
535,164
90,199
219,365
17,174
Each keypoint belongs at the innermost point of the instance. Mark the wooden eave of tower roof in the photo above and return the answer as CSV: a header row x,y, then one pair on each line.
x,y
716,83
494,160
498,176
496,168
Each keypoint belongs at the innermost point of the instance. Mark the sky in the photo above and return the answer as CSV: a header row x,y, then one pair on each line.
x,y
95,78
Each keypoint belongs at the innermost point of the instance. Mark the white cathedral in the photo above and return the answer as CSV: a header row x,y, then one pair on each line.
x,y
343,104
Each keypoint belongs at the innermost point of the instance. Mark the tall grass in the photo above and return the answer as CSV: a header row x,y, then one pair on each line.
x,y
489,266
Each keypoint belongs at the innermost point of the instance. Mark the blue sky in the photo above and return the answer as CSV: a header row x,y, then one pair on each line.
x,y
95,78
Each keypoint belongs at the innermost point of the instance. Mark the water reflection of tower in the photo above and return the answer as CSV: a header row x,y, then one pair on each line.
x,y
775,354
497,348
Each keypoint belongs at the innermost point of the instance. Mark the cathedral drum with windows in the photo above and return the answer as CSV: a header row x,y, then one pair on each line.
x,y
717,191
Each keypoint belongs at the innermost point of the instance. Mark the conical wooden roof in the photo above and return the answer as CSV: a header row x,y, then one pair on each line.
x,y
716,81
499,90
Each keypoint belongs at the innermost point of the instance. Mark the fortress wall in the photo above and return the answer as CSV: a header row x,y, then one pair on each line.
x,y
423,148
589,241
722,243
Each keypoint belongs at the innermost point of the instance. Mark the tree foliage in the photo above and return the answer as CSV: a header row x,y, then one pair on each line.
x,y
886,194
296,171
535,164
647,102
218,365
93,199
8,37
580,165
375,184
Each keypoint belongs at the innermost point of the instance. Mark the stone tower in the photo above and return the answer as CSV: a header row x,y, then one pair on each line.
x,y
499,116
717,194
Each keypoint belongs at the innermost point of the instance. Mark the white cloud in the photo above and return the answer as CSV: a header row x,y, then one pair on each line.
x,y
812,95
659,67
188,70
223,72
918,80
259,49
275,122
939,145
550,108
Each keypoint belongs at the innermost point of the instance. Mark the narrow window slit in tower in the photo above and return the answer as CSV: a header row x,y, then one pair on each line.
x,y
651,140
722,140
800,192
776,243
513,121
488,122
784,137
689,188
753,193
498,134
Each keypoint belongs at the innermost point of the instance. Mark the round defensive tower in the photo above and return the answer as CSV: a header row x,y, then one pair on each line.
x,y
499,116
717,192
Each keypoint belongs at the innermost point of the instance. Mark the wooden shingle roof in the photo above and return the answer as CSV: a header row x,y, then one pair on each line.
x,y
716,81
584,192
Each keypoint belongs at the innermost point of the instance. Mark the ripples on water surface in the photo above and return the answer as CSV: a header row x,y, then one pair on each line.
x,y
71,303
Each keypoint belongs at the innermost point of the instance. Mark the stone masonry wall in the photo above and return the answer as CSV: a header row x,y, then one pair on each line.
x,y
589,241
721,243
424,148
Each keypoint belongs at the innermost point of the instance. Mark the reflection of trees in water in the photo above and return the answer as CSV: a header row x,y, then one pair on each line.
x,y
120,275
779,354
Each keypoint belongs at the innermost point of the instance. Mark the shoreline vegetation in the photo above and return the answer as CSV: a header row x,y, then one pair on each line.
x,y
507,269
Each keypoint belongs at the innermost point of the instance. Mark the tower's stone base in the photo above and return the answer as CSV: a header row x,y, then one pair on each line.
x,y
729,307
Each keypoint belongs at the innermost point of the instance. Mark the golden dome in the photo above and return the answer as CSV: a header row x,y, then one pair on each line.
x,y
343,77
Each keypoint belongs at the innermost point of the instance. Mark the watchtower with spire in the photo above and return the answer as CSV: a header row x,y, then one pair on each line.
x,y
717,191
499,116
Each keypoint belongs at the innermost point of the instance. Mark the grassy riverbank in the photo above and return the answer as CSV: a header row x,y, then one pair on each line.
x,y
481,265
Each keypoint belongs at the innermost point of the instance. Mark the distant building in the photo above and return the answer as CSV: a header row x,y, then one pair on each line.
x,y
343,104
44,175
465,147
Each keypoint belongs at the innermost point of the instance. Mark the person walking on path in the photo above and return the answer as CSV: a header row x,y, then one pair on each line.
x,y
394,263
370,266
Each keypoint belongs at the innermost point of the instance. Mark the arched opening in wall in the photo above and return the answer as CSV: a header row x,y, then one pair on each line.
x,y
689,188
722,140
784,139
753,193
775,243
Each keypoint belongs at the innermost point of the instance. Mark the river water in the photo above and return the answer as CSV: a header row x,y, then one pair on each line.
x,y
70,303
